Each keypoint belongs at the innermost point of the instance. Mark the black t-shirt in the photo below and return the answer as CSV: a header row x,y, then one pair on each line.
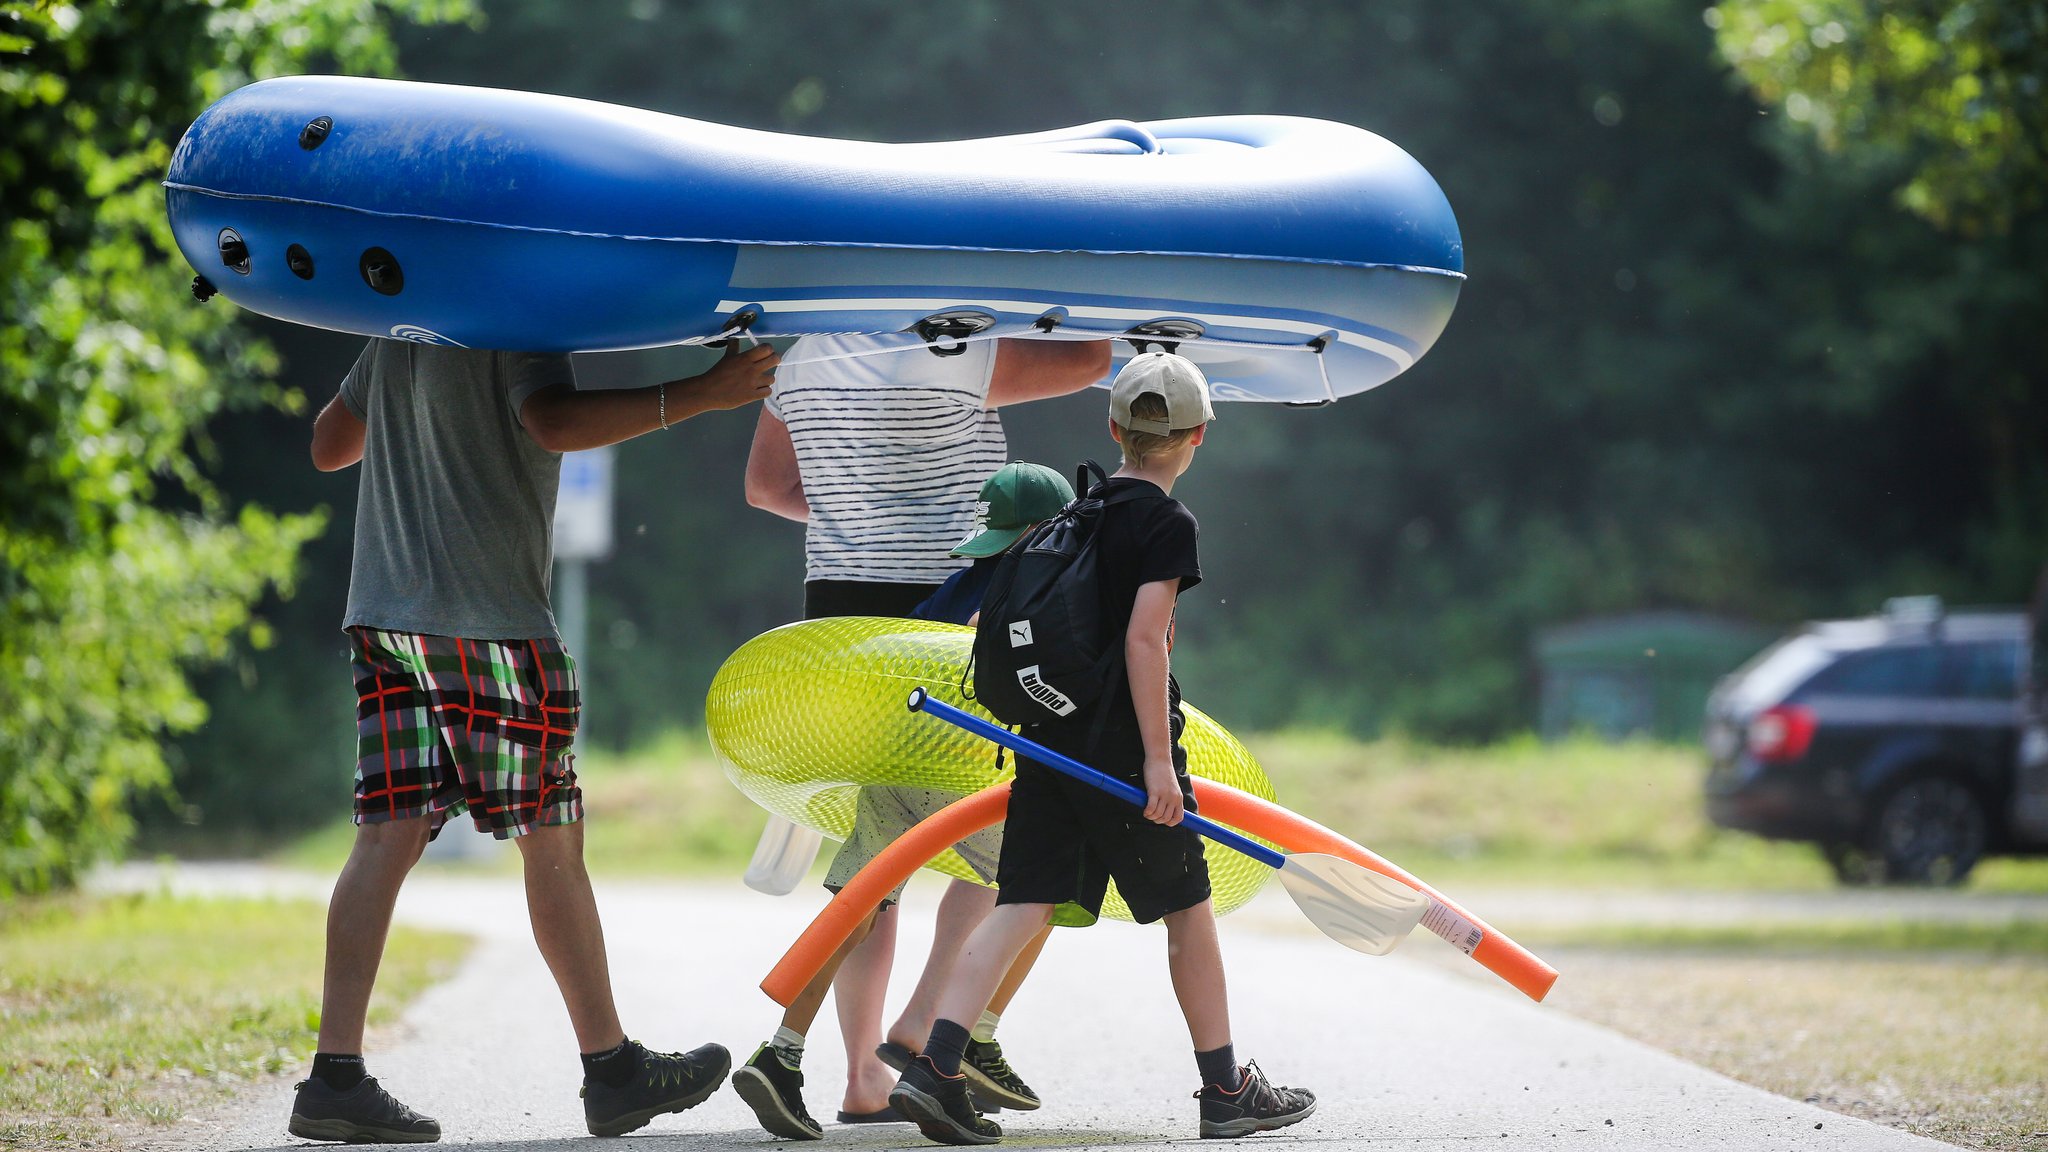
x,y
1138,543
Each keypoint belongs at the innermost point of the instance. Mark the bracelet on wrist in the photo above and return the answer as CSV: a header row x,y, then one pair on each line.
x,y
661,404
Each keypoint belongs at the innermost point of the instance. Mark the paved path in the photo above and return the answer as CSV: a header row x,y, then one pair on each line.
x,y
1403,1054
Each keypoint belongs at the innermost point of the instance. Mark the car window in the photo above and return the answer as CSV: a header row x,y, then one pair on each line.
x,y
1986,671
1775,671
1913,671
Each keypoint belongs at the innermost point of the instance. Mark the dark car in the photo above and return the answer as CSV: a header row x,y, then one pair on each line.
x,y
1893,742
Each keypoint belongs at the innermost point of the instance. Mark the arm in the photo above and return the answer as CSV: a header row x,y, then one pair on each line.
x,y
562,419
1145,664
1039,369
337,437
774,484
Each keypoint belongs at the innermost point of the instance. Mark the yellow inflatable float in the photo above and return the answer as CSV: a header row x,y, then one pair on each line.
x,y
807,714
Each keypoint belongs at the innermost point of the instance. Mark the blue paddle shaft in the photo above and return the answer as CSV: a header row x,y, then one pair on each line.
x,y
921,701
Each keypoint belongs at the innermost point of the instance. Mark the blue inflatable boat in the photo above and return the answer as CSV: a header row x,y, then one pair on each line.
x,y
1297,260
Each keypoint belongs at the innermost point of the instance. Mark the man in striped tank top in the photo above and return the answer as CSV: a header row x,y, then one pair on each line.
x,y
878,445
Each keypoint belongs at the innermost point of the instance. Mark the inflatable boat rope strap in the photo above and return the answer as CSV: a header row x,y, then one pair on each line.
x,y
1487,946
941,344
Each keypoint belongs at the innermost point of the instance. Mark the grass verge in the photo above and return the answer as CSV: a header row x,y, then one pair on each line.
x,y
121,1014
1932,1028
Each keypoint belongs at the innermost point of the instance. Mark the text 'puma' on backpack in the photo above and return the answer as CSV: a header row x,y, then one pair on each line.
x,y
1039,649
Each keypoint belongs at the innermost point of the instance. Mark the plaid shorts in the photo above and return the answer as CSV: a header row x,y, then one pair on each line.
x,y
444,723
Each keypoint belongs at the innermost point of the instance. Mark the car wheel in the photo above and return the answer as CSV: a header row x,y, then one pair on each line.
x,y
1928,830
1854,865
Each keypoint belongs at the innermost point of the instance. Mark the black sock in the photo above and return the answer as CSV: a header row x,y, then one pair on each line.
x,y
614,1066
1219,1067
340,1071
947,1045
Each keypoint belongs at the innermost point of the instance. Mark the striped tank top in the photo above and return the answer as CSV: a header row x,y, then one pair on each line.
x,y
893,446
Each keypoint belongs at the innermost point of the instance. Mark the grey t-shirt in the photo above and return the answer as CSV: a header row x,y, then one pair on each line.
x,y
455,513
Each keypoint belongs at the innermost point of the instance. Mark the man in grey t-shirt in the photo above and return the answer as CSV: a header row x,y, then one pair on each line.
x,y
465,696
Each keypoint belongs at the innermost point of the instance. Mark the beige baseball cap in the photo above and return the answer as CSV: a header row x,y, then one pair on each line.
x,y
1174,379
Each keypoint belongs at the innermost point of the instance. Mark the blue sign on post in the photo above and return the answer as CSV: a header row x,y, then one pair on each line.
x,y
583,507
583,532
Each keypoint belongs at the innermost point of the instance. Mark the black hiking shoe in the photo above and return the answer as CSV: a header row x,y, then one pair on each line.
x,y
898,1057
775,1092
665,1082
938,1105
996,1085
365,1114
1258,1105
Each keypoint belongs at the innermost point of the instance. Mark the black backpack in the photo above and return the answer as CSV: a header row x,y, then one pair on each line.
x,y
1039,651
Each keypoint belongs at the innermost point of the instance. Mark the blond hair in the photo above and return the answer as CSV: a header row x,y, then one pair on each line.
x,y
1140,447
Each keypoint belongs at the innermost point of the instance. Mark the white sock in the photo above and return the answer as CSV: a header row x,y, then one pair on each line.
x,y
789,1046
984,1029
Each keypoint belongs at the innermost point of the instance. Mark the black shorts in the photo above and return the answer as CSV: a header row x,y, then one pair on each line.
x,y
823,598
1064,841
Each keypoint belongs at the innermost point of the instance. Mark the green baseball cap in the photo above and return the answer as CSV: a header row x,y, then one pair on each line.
x,y
1016,497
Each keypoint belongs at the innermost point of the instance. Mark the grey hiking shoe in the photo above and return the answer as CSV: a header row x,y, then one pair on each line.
x,y
365,1114
775,1092
1258,1105
665,1082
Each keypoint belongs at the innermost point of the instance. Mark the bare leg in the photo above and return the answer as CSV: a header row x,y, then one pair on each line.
x,y
358,920
963,907
987,957
1195,959
1019,969
571,939
858,992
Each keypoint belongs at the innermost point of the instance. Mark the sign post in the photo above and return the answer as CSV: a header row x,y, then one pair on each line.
x,y
583,532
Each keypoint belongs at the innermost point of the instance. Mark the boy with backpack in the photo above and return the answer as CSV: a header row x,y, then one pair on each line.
x,y
1117,710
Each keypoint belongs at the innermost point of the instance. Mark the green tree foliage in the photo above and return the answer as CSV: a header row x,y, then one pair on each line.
x,y
1958,89
124,565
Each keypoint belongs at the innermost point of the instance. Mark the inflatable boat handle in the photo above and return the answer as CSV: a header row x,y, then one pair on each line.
x,y
1083,134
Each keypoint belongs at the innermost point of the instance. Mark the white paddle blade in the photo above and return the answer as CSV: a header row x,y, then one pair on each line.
x,y
1353,905
783,857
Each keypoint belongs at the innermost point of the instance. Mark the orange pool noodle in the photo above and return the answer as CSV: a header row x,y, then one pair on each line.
x,y
1220,802
893,865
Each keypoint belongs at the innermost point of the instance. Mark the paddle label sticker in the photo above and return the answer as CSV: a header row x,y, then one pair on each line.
x,y
1459,932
